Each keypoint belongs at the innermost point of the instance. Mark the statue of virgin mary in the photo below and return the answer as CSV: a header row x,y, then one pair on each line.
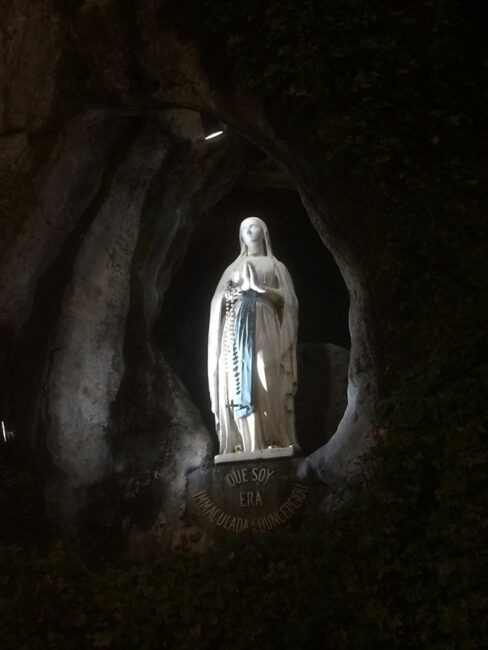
x,y
252,369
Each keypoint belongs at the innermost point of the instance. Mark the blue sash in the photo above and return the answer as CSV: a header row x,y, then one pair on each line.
x,y
243,353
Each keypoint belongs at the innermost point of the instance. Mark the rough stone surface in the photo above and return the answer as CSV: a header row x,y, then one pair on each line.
x,y
64,186
87,364
31,47
322,392
92,235
254,497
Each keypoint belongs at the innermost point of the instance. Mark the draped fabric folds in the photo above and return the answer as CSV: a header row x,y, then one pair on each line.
x,y
252,392
243,354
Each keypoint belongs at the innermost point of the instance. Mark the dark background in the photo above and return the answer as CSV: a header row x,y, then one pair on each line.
x,y
182,329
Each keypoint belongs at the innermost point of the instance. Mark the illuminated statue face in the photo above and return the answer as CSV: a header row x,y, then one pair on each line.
x,y
251,231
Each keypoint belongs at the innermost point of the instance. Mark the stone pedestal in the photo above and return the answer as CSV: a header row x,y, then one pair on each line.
x,y
262,454
251,497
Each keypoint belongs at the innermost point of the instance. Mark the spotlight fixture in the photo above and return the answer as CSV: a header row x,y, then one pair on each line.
x,y
212,127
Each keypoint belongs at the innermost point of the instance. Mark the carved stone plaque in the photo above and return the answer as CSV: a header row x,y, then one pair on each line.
x,y
253,497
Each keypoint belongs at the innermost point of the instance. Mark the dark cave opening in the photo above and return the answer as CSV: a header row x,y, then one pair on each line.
x,y
182,328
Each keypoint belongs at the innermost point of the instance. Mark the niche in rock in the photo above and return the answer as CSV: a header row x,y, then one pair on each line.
x,y
323,335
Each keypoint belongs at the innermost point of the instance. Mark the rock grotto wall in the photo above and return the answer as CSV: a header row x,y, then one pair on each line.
x,y
182,327
103,175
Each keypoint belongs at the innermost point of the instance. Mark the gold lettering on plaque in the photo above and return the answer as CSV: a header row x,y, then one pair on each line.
x,y
260,524
247,499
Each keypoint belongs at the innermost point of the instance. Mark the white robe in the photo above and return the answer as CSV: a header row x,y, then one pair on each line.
x,y
274,363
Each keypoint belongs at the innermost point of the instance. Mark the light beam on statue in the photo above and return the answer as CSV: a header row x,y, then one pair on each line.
x,y
252,366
